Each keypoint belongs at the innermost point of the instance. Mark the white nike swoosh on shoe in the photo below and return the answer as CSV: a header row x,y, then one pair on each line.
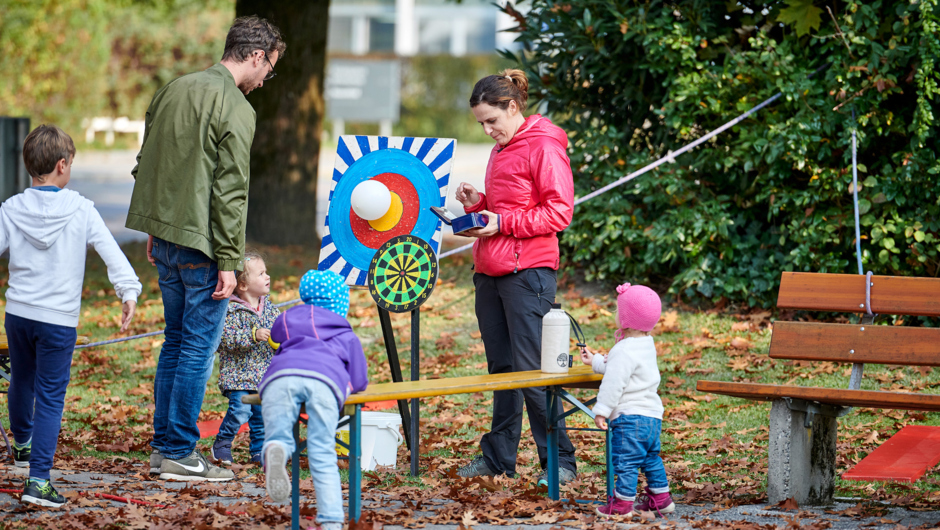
x,y
193,469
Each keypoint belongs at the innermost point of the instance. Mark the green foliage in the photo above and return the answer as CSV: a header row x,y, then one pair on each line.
x,y
435,92
631,81
67,60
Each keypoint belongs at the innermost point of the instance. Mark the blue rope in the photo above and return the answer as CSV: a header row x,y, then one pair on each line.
x,y
858,229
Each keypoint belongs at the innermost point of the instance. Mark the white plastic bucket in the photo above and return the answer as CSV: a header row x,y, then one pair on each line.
x,y
380,439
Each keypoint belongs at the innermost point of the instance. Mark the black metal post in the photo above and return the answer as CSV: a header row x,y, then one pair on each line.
x,y
415,375
391,350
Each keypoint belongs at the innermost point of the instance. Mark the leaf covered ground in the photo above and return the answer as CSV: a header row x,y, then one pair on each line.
x,y
714,447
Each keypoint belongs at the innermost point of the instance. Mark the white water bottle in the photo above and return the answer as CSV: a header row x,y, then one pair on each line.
x,y
556,333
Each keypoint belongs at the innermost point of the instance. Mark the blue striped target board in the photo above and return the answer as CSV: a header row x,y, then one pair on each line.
x,y
415,171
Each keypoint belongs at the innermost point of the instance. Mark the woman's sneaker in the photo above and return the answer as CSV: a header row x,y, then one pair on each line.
x,y
41,493
655,504
276,479
477,468
156,459
565,476
21,453
615,507
193,468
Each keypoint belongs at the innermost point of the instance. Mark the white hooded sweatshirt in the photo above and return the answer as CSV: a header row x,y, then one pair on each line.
x,y
48,234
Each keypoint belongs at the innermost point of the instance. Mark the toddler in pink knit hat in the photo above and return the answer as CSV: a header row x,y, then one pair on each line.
x,y
628,405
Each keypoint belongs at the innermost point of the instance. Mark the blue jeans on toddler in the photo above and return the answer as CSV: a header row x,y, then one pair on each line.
x,y
238,414
281,400
40,363
635,445
194,323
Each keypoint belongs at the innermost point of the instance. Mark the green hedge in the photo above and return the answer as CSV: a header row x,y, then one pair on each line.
x,y
631,81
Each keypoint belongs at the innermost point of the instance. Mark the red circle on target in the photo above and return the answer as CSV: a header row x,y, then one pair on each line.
x,y
372,238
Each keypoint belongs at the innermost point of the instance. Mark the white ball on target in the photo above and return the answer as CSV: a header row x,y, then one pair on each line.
x,y
371,200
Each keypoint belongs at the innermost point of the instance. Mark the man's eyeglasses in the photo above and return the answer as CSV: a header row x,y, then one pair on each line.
x,y
272,73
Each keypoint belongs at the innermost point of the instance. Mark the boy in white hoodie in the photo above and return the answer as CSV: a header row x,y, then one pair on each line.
x,y
628,399
47,230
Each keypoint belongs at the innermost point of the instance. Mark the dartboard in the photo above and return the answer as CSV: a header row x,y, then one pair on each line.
x,y
415,171
402,273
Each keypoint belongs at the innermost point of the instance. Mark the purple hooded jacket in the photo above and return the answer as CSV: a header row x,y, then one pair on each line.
x,y
319,344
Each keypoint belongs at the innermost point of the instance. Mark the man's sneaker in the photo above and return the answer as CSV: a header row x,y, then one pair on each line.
x,y
156,459
222,451
477,468
41,493
565,476
256,458
615,507
193,468
21,453
276,479
655,504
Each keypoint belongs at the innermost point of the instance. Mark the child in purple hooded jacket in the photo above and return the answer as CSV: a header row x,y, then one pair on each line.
x,y
318,362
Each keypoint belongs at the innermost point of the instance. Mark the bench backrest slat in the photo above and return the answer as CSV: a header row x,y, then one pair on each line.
x,y
890,295
855,343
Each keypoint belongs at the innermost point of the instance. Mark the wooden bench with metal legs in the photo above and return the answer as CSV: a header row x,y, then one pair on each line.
x,y
802,447
578,377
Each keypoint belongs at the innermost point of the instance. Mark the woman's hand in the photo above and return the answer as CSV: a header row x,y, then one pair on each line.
x,y
467,194
491,228
601,422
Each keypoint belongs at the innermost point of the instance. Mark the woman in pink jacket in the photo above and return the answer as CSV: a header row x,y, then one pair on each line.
x,y
530,199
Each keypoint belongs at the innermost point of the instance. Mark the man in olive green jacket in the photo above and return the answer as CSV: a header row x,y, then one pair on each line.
x,y
191,196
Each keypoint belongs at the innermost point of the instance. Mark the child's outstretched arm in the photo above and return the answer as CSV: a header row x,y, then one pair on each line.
x,y
596,361
120,272
619,369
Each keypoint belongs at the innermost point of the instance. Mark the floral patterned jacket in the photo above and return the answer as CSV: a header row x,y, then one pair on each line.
x,y
242,359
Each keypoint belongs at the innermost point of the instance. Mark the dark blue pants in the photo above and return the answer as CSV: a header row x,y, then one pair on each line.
x,y
40,362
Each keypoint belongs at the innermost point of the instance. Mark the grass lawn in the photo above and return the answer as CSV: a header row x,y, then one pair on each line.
x,y
714,446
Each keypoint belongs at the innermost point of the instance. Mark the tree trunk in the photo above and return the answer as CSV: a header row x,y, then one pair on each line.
x,y
282,196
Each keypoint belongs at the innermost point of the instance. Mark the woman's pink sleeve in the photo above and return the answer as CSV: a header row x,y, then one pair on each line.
x,y
553,180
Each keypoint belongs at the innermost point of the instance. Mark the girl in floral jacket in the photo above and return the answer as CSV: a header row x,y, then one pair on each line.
x,y
244,356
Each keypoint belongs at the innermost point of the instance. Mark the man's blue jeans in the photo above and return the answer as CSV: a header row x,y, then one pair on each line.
x,y
238,414
280,405
193,330
40,360
636,446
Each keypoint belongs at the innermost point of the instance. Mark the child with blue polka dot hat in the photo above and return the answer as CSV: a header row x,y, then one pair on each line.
x,y
318,363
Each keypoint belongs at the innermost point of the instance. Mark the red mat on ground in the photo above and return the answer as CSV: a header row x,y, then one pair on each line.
x,y
905,457
211,427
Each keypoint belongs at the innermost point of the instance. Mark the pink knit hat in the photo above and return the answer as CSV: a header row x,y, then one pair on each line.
x,y
638,307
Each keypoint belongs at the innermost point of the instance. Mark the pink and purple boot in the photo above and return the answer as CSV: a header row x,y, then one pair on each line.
x,y
615,507
655,504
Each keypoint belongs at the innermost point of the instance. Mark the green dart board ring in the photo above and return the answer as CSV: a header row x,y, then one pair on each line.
x,y
403,273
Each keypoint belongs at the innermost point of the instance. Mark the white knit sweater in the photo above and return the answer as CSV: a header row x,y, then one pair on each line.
x,y
631,378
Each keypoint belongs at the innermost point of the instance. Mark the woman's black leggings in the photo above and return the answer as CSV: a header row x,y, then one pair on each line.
x,y
510,310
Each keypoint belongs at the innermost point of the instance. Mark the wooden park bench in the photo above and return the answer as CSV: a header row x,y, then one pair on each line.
x,y
578,377
802,446
5,374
